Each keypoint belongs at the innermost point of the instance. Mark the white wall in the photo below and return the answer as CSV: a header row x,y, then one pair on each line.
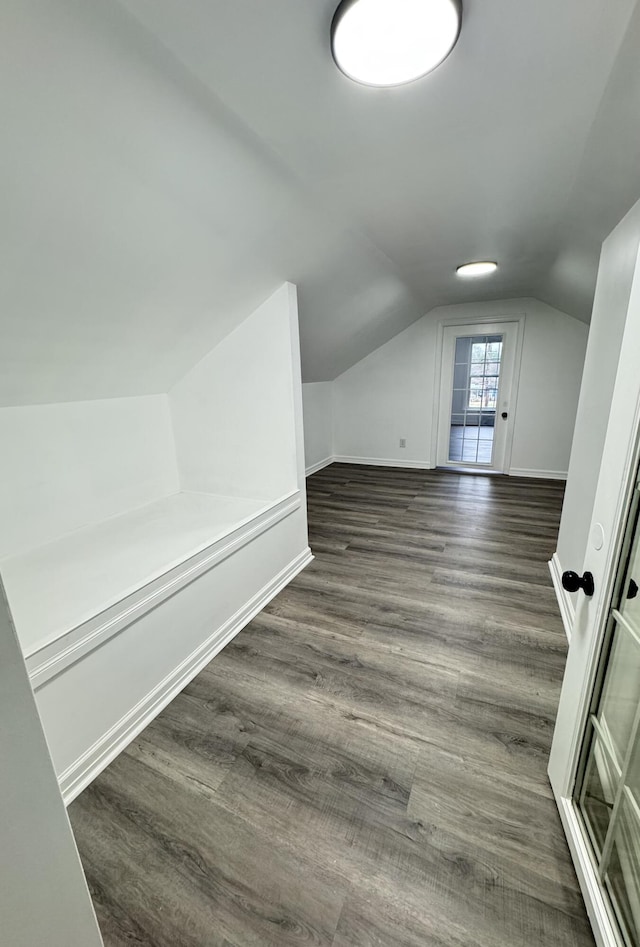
x,y
317,398
43,894
613,289
234,413
69,465
72,464
390,394
386,396
550,378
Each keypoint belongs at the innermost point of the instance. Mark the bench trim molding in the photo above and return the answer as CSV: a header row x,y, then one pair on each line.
x,y
55,656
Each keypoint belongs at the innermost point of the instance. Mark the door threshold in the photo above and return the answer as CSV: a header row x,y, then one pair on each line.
x,y
453,468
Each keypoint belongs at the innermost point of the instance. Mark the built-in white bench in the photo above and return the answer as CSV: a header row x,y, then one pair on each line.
x,y
71,595
139,534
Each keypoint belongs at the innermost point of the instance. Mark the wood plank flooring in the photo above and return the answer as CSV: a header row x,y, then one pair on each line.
x,y
365,765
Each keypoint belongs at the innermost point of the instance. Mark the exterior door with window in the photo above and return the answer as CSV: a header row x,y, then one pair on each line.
x,y
477,380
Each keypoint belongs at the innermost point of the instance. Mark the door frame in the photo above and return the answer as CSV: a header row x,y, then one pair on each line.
x,y
616,483
517,320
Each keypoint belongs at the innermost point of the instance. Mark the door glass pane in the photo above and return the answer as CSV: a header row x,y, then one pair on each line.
x,y
476,376
630,604
599,790
621,692
478,355
623,873
632,778
614,727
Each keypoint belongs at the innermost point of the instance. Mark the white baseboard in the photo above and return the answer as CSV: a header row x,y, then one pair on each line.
x,y
565,603
85,769
603,926
424,465
538,474
314,468
383,462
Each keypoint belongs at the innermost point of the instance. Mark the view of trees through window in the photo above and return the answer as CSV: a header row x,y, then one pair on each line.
x,y
484,375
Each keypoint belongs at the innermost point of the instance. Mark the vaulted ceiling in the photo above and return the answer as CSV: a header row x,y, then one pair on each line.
x,y
167,163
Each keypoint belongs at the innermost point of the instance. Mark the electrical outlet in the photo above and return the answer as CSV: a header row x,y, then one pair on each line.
x,y
403,442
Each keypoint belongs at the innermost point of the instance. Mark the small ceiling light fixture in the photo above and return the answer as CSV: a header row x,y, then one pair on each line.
x,y
483,268
392,42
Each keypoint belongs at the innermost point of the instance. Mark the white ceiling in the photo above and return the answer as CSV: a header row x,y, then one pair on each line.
x,y
169,162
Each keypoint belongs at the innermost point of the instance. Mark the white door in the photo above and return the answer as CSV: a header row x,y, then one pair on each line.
x,y
477,395
595,758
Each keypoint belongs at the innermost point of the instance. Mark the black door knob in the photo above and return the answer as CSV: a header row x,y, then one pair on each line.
x,y
504,415
632,591
572,582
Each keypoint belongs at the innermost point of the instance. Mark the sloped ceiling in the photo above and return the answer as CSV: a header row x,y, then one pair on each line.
x,y
167,163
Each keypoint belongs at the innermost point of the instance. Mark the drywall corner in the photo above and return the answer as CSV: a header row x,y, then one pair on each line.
x,y
236,415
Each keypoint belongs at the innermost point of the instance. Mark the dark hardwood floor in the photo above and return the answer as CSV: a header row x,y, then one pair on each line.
x,y
366,763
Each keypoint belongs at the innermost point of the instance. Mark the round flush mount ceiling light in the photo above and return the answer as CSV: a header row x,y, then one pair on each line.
x,y
483,268
392,42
